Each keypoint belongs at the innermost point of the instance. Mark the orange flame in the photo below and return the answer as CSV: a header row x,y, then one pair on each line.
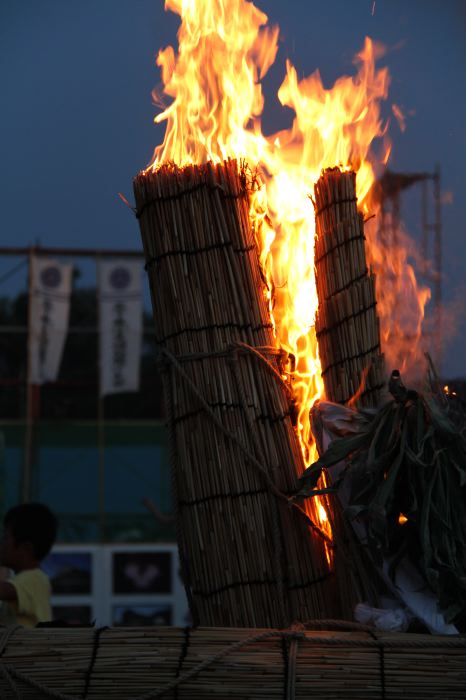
x,y
225,49
352,403
400,117
401,302
214,80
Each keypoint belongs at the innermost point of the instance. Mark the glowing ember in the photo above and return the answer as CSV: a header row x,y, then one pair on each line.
x,y
225,49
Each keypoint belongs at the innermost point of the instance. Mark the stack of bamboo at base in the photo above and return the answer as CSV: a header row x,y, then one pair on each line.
x,y
249,558
137,663
347,325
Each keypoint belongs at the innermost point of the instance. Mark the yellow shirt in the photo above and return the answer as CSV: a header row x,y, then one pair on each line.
x,y
33,590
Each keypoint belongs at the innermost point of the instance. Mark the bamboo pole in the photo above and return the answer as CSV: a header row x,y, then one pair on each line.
x,y
249,557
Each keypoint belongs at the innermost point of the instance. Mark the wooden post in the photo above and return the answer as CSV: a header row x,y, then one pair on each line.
x,y
26,485
102,520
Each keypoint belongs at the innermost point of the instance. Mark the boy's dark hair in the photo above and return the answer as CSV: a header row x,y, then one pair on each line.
x,y
35,523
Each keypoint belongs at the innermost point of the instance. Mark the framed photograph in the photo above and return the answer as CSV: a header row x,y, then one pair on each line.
x,y
127,615
73,614
142,572
70,572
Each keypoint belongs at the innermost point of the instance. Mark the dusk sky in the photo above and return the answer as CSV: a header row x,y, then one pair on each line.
x,y
77,117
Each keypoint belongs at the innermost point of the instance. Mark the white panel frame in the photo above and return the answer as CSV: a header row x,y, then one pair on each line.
x,y
102,599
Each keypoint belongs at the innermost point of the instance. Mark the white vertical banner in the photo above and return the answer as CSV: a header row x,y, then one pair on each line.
x,y
49,296
120,325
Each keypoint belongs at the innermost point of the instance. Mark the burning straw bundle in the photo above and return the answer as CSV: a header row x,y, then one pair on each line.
x,y
249,558
150,663
347,325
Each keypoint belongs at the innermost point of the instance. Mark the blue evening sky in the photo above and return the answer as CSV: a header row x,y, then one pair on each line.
x,y
76,120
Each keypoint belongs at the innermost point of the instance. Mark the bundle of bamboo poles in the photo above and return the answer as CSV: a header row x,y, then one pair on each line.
x,y
347,325
149,663
248,557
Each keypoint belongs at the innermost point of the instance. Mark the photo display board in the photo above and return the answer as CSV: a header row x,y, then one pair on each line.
x,y
117,585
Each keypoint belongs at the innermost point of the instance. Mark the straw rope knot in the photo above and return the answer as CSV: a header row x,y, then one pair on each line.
x,y
293,636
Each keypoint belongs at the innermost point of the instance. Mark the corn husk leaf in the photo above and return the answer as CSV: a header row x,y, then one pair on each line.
x,y
410,460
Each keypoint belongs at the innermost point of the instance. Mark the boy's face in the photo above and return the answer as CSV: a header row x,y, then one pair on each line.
x,y
8,549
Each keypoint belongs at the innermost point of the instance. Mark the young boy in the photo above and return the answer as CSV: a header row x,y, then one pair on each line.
x,y
29,533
